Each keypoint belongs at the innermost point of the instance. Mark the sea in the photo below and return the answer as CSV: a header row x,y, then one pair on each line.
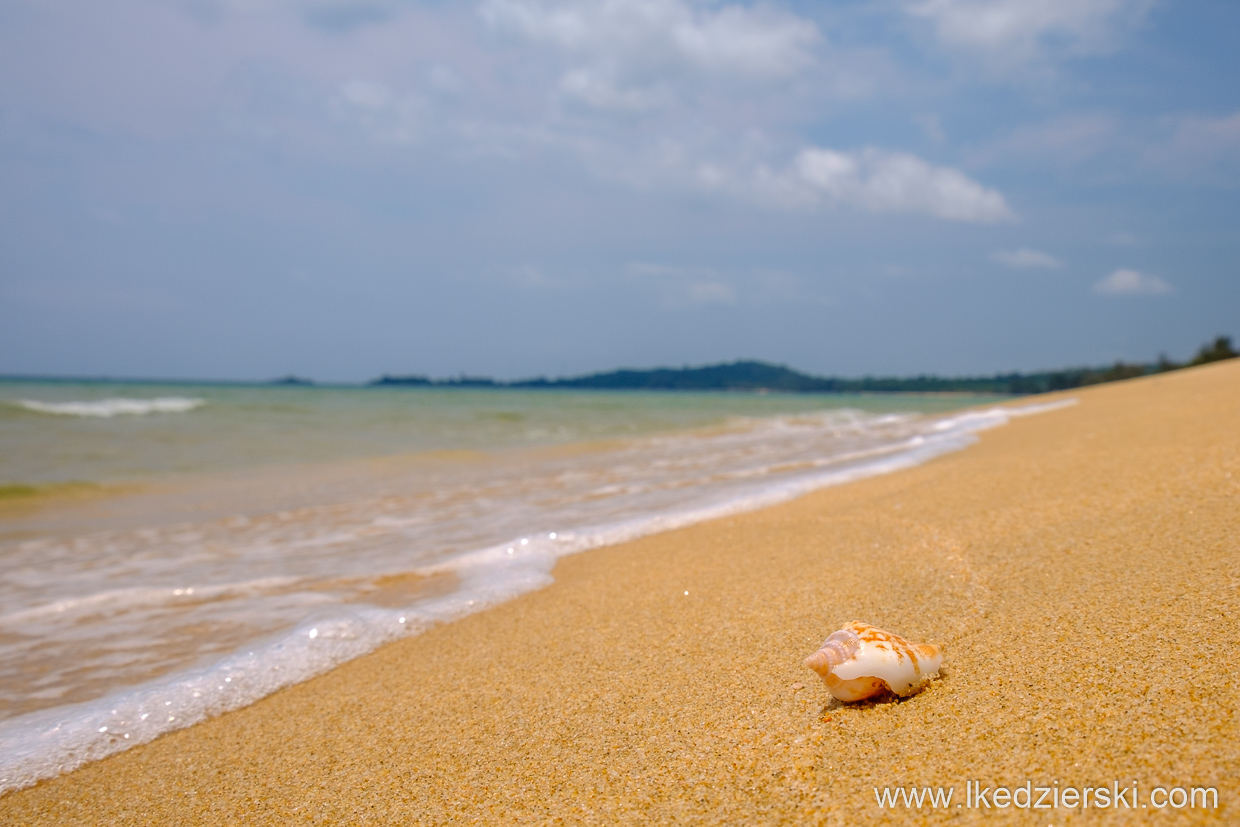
x,y
169,552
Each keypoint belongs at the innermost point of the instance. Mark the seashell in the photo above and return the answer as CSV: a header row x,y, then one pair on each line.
x,y
860,661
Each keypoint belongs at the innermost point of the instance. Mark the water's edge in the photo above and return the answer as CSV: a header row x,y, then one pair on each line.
x,y
44,744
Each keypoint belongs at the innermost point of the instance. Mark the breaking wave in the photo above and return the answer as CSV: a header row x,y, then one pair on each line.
x,y
118,406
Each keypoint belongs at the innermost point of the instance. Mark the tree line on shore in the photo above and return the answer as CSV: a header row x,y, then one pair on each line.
x,y
752,375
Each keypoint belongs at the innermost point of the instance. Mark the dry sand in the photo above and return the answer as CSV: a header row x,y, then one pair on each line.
x,y
1081,569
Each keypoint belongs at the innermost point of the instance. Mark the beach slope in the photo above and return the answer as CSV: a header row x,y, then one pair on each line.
x,y
1080,568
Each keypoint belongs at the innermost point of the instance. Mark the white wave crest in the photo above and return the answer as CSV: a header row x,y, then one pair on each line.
x,y
117,406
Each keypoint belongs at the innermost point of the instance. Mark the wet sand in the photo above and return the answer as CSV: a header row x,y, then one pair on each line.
x,y
1081,569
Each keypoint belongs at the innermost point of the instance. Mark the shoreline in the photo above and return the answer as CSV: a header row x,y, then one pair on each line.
x,y
1035,557
48,740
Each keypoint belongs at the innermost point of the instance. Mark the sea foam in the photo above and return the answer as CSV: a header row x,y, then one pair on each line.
x,y
46,743
119,406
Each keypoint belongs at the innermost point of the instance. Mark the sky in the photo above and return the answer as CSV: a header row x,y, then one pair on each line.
x,y
339,189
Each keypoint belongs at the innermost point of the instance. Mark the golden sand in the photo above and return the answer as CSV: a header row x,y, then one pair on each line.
x,y
1081,569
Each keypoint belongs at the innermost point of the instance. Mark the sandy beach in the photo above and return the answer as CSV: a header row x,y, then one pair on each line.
x,y
1080,568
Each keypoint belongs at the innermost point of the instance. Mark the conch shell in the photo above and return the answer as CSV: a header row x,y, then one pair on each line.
x,y
860,661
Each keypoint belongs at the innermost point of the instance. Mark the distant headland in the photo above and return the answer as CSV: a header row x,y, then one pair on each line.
x,y
754,376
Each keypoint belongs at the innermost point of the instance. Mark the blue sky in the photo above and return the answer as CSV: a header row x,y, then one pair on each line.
x,y
343,188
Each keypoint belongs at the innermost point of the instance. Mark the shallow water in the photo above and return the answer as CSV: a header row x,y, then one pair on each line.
x,y
234,571
96,431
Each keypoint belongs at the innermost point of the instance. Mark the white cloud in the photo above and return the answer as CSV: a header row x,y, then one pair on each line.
x,y
879,181
445,80
711,292
646,269
386,116
627,53
749,170
736,39
1210,135
366,95
602,92
1012,31
1130,283
1200,145
1024,259
682,286
530,276
1068,139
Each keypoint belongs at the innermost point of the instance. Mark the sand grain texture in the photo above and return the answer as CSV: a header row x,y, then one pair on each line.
x,y
1081,569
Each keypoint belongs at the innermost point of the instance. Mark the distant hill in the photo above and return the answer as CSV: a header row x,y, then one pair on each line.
x,y
749,375
424,381
736,376
761,376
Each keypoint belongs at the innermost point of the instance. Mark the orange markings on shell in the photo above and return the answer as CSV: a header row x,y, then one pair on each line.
x,y
860,661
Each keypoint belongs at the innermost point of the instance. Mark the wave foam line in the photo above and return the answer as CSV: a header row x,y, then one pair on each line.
x,y
50,742
152,596
118,406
